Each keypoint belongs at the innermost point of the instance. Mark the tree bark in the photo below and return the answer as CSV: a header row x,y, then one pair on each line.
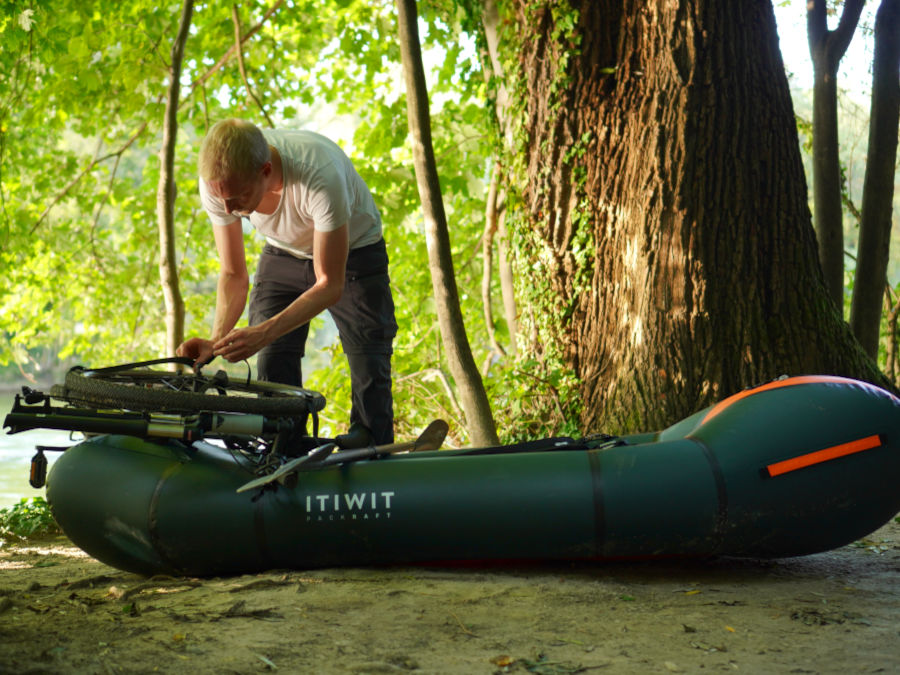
x,y
827,48
239,51
165,194
878,185
474,401
491,220
666,209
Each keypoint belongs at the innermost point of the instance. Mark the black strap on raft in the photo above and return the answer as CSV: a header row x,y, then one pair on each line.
x,y
602,441
541,445
593,442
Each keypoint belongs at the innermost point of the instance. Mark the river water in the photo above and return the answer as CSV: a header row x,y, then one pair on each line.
x,y
16,451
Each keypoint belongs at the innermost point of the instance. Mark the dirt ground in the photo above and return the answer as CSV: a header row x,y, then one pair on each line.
x,y
837,612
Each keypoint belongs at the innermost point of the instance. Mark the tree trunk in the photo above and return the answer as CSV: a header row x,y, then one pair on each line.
x,y
878,186
507,286
827,48
493,68
666,208
491,222
473,398
165,194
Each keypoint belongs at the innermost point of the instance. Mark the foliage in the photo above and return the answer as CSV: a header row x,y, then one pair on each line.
x,y
81,103
539,394
29,517
81,91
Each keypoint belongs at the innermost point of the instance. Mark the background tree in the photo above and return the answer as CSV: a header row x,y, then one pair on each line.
x,y
878,189
663,208
827,48
166,194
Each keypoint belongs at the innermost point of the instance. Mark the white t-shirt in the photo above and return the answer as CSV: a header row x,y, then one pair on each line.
x,y
322,191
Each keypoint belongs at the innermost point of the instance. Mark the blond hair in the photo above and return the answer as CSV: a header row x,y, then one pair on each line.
x,y
233,148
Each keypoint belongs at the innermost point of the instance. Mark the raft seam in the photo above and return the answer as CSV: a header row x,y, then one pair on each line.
x,y
153,521
259,532
721,493
599,512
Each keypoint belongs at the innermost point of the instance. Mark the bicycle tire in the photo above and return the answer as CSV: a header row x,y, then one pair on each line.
x,y
113,391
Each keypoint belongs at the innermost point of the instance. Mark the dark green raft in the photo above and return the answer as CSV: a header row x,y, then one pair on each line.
x,y
794,467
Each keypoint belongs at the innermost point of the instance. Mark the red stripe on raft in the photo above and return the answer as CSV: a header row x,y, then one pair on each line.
x,y
777,384
825,455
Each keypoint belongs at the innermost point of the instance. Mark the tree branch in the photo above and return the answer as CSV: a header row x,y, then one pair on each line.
x,y
490,228
200,81
841,36
103,202
166,190
94,162
816,24
236,20
831,44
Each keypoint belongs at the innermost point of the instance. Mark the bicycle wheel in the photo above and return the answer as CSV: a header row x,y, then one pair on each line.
x,y
151,390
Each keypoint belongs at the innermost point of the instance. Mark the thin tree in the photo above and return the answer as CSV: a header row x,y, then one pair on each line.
x,y
474,401
827,48
878,185
165,195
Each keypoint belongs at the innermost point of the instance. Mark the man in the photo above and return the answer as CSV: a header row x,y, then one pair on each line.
x,y
324,250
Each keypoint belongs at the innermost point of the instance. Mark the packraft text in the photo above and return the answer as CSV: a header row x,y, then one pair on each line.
x,y
349,506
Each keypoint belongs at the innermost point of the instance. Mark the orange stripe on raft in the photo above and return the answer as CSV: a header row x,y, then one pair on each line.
x,y
777,384
825,455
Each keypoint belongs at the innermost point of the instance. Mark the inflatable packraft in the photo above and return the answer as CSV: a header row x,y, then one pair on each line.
x,y
794,467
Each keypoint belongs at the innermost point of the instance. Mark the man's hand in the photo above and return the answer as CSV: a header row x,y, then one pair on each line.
x,y
241,343
199,349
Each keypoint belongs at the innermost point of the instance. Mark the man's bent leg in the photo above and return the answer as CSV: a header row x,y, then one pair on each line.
x,y
365,318
373,404
280,278
281,362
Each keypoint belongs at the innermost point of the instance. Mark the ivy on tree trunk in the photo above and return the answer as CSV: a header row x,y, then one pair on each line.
x,y
665,223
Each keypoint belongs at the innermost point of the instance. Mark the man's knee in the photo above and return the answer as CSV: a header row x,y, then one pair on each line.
x,y
280,365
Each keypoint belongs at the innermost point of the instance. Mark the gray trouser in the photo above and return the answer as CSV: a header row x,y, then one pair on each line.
x,y
364,317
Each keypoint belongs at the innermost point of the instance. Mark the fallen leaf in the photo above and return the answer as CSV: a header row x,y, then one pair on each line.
x,y
268,662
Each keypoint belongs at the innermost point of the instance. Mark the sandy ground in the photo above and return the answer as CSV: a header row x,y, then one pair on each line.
x,y
837,612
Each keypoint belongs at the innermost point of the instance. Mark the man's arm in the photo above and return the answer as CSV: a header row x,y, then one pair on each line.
x,y
231,290
330,251
233,282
